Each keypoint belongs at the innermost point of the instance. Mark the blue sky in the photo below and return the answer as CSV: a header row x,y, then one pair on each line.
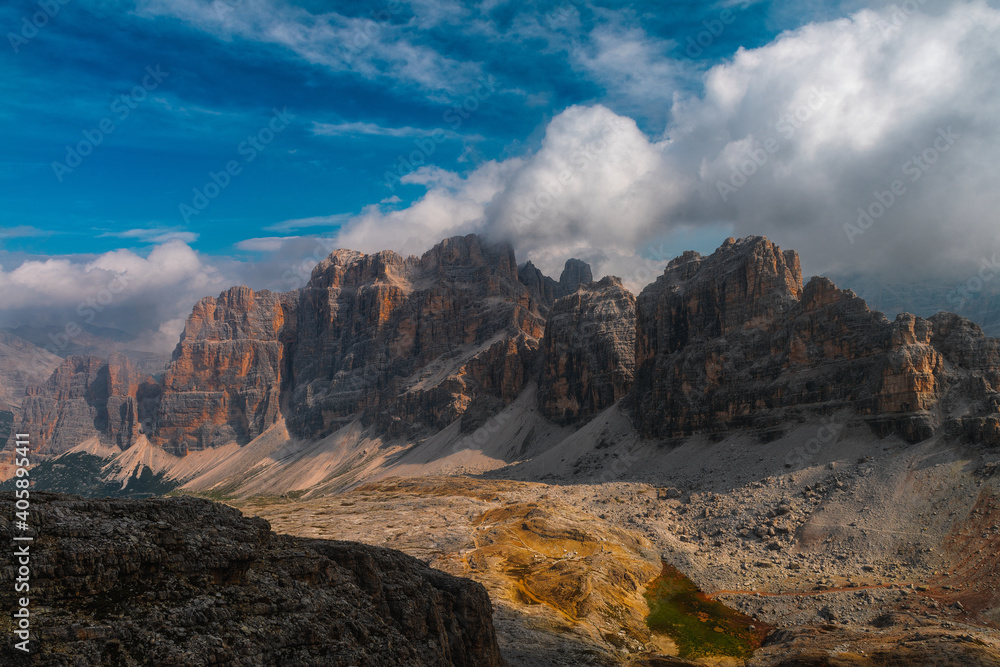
x,y
619,133
222,85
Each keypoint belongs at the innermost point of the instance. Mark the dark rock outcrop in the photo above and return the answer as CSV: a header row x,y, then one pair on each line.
x,y
734,341
545,290
184,581
588,351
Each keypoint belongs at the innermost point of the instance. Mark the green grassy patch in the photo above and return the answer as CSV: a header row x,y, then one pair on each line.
x,y
699,626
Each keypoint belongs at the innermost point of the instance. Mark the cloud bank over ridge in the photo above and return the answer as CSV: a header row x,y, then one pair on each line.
x,y
867,143
789,140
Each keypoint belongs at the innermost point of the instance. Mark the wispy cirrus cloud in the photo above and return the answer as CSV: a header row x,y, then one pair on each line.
x,y
356,129
331,221
265,243
23,231
374,46
153,235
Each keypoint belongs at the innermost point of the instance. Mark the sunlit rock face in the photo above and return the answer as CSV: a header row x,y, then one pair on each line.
x,y
229,370
410,343
734,340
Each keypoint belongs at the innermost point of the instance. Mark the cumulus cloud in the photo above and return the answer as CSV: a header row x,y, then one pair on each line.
x,y
885,111
887,108
142,296
632,66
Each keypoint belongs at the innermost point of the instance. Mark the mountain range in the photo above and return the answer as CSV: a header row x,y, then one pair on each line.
x,y
463,360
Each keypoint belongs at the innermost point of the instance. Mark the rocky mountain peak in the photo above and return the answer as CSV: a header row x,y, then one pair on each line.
x,y
407,346
546,290
576,272
351,268
734,340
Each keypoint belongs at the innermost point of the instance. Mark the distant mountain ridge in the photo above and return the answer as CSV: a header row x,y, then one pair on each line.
x,y
393,349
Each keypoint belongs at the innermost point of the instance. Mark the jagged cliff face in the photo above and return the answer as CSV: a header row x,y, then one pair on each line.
x,y
226,379
408,346
589,351
411,343
404,344
734,341
546,290
88,397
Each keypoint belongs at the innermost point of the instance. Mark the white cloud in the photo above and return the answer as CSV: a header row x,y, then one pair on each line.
x,y
22,231
118,289
372,130
265,243
844,107
154,235
332,221
634,68
372,46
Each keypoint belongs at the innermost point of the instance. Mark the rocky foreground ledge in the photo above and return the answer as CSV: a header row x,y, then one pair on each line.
x,y
184,581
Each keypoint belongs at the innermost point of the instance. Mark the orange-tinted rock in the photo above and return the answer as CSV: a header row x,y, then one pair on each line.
x,y
733,340
225,381
411,343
